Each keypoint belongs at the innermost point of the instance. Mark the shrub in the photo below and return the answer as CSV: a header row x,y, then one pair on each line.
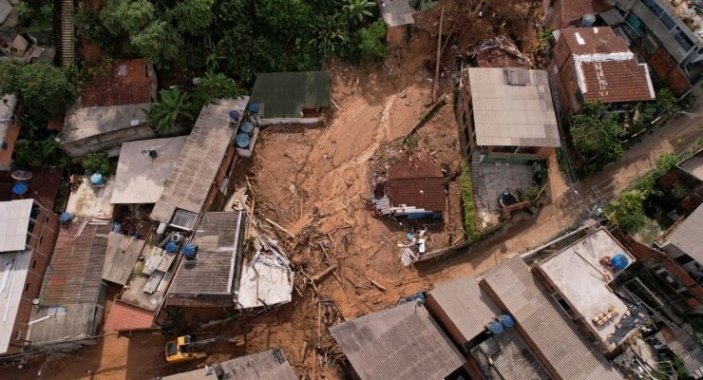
x,y
372,41
97,162
467,200
627,211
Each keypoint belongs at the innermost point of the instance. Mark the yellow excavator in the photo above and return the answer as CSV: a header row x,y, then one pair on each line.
x,y
185,348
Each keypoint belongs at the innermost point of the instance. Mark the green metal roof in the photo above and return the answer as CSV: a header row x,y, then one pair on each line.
x,y
284,95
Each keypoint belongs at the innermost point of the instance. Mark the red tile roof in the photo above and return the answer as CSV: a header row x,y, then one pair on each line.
x,y
616,82
572,10
125,317
112,89
75,271
417,183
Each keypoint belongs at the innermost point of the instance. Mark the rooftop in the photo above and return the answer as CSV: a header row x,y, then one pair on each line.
x,y
121,255
416,183
286,95
195,169
89,201
52,324
606,69
572,10
467,306
687,236
267,279
582,280
125,317
512,107
402,342
694,165
267,365
507,357
140,178
546,330
74,274
14,267
125,82
82,123
219,237
14,222
149,279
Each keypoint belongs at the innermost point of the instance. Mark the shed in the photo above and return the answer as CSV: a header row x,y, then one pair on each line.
x,y
290,97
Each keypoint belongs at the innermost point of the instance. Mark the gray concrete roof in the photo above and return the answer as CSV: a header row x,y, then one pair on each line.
x,y
85,122
267,365
566,354
196,168
694,165
520,114
688,235
139,178
402,342
14,222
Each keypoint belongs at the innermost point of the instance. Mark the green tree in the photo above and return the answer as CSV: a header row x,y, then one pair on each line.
x,y
627,211
358,9
596,136
45,90
213,86
173,106
9,76
330,36
97,162
130,16
159,42
192,16
372,40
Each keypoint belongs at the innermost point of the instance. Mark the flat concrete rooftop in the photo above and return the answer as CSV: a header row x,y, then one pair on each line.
x,y
91,202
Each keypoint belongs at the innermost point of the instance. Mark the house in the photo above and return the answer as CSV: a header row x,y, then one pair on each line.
x,y
506,113
403,342
9,131
565,13
547,331
290,97
27,236
266,365
111,109
202,171
143,168
670,47
210,279
595,65
414,189
578,277
693,166
684,244
72,299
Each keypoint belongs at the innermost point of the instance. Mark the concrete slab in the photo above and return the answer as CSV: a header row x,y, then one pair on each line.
x,y
497,177
91,202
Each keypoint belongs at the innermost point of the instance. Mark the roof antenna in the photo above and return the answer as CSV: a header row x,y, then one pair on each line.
x,y
151,153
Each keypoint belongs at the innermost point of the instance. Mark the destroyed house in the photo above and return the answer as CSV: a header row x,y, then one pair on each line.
x,y
578,277
27,236
403,342
595,65
290,97
111,109
506,113
414,189
553,338
210,278
70,305
202,171
9,131
266,365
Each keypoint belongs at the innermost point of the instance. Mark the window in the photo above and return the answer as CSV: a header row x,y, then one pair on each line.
x,y
683,40
34,264
26,287
668,21
184,219
653,6
41,239
564,305
683,259
3,146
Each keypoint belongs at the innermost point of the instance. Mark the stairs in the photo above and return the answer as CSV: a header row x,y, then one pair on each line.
x,y
68,34
476,177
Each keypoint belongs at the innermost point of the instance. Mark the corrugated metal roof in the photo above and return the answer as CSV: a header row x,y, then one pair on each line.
x,y
397,12
14,267
544,328
466,304
51,324
688,235
402,342
285,95
74,274
219,238
127,82
14,222
685,347
140,178
196,168
121,255
267,365
512,115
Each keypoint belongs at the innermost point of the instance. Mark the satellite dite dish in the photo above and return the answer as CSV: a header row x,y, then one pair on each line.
x,y
35,301
21,175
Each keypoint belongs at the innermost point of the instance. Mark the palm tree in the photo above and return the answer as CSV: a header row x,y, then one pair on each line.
x,y
330,35
173,106
358,9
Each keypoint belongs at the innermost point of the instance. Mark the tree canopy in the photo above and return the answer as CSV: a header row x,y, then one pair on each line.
x,y
596,136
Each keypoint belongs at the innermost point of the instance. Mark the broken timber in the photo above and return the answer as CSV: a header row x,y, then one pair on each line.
x,y
426,116
271,222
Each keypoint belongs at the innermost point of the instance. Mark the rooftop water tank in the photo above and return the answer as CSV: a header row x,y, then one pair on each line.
x,y
20,188
495,328
234,115
97,179
246,127
189,250
619,261
588,20
253,107
242,140
506,320
171,247
65,217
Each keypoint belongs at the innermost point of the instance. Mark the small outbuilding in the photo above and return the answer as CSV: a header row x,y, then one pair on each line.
x,y
290,97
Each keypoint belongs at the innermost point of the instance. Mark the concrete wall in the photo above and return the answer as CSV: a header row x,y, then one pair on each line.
x,y
107,140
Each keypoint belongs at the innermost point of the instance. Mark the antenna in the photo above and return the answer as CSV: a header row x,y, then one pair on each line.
x,y
151,153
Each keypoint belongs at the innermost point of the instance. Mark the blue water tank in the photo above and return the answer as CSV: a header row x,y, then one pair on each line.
x,y
234,115
495,328
189,250
253,107
246,127
241,140
20,188
65,217
619,261
97,179
171,247
506,320
117,227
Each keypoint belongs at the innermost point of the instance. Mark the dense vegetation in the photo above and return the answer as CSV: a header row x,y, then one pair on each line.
x,y
467,201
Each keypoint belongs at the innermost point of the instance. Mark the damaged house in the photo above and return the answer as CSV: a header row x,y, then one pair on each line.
x,y
413,189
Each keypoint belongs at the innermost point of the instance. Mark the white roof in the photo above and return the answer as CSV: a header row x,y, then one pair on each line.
x,y
13,273
266,280
517,114
140,179
7,109
14,221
